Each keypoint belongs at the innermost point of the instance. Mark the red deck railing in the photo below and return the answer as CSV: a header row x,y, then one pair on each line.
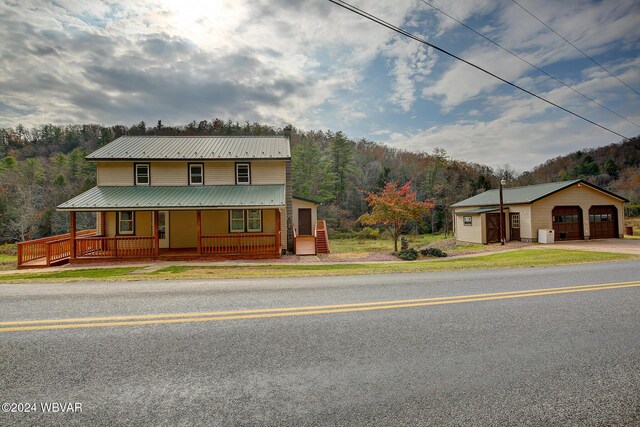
x,y
88,246
115,247
242,244
48,249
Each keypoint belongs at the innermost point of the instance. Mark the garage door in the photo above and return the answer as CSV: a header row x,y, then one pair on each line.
x,y
567,222
603,222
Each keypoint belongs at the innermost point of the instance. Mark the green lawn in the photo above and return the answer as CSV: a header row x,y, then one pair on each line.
x,y
90,273
512,259
8,262
381,244
635,223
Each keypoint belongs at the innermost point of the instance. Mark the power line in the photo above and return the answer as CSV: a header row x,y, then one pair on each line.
x,y
405,33
528,63
575,47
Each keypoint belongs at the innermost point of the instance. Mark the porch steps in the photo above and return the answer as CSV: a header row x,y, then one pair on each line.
x,y
322,240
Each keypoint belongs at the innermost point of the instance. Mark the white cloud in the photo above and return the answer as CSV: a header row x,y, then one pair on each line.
x,y
121,62
591,28
311,63
411,63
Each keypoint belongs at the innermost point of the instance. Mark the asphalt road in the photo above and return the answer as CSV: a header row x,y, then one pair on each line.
x,y
559,357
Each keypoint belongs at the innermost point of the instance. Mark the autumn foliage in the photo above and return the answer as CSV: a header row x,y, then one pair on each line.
x,y
394,207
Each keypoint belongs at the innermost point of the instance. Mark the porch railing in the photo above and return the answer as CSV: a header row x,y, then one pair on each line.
x,y
48,249
241,244
115,247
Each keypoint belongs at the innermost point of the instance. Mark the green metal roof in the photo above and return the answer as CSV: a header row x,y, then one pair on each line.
x,y
526,194
479,210
207,196
194,148
307,200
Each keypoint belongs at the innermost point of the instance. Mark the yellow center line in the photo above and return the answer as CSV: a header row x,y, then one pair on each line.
x,y
290,309
34,325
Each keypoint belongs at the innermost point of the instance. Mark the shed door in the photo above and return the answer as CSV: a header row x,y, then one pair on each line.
x,y
493,227
304,222
603,222
567,222
514,219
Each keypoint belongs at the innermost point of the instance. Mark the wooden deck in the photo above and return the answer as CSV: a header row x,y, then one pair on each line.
x,y
89,248
42,263
305,245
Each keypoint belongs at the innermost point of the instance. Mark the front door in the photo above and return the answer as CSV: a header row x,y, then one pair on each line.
x,y
514,219
163,228
304,222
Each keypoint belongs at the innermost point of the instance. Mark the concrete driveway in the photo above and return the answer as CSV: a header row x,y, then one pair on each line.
x,y
623,246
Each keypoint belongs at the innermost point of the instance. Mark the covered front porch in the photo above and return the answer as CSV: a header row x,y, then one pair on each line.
x,y
213,222
181,234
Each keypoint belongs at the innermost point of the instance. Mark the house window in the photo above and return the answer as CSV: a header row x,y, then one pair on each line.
x,y
196,174
254,220
243,173
236,224
125,222
466,220
142,174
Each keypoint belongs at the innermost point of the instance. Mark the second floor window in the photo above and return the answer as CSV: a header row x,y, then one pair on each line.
x,y
196,174
243,173
142,174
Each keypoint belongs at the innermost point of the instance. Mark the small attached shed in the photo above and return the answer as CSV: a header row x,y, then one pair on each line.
x,y
310,233
574,209
305,215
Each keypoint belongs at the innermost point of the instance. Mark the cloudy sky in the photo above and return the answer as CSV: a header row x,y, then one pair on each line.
x,y
318,66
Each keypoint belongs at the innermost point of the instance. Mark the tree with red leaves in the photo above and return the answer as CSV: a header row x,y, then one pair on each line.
x,y
394,207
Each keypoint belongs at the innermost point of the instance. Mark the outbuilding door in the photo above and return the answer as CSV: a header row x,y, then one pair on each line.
x,y
493,227
603,222
304,222
567,222
514,219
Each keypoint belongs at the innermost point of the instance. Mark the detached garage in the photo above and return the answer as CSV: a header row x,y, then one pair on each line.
x,y
574,209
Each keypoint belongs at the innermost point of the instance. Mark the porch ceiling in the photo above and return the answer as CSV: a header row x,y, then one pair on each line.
x,y
188,197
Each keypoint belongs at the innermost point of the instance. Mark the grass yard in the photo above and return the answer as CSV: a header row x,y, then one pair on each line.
x,y
8,262
635,223
90,273
381,244
512,259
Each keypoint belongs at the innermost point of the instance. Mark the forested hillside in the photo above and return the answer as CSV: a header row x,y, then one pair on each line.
x,y
44,166
615,167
